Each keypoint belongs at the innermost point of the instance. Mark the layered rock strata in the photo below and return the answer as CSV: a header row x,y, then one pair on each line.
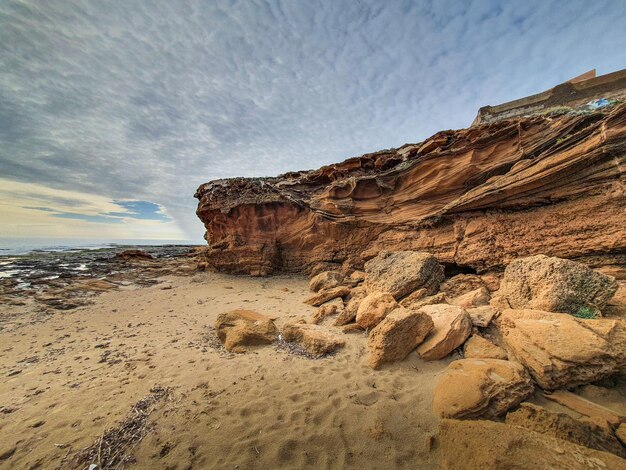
x,y
475,198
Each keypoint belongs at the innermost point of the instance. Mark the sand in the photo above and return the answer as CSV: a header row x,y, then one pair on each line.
x,y
69,376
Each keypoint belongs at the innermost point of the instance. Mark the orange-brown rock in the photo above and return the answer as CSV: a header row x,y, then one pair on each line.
x,y
477,347
476,198
240,328
374,308
560,350
452,326
316,340
472,444
397,335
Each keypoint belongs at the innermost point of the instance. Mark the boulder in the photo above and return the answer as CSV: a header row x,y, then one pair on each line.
x,y
415,303
597,413
475,298
554,285
374,308
474,388
559,350
349,314
478,347
325,295
469,445
481,316
452,326
325,280
562,426
403,272
334,307
316,340
356,278
240,328
461,284
397,335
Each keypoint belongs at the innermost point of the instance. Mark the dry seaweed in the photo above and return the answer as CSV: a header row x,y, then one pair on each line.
x,y
113,449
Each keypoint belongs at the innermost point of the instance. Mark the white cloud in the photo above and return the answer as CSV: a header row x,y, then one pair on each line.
x,y
145,100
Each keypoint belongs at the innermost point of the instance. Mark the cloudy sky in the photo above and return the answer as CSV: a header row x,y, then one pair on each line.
x,y
113,112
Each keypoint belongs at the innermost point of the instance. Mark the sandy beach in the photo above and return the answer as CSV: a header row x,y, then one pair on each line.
x,y
70,376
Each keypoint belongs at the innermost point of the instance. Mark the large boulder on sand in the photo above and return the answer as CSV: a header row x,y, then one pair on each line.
x,y
469,445
452,326
403,272
562,426
559,350
473,388
316,340
554,285
472,299
240,328
325,280
374,308
397,335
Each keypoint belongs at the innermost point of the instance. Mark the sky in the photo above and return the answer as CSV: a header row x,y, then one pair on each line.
x,y
113,112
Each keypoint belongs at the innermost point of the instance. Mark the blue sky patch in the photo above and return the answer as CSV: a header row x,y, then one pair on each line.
x,y
144,210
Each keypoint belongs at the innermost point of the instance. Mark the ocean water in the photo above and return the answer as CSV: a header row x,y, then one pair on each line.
x,y
28,263
24,246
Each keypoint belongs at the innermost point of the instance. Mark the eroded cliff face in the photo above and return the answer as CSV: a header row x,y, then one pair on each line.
x,y
475,198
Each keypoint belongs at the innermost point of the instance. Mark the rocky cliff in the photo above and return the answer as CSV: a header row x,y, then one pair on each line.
x,y
476,198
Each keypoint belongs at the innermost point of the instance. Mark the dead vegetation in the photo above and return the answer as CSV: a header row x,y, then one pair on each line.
x,y
113,449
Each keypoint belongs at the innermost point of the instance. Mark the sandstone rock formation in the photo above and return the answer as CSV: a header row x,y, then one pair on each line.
x,y
554,285
472,299
461,284
334,307
478,347
397,335
374,308
476,198
481,316
316,340
452,326
473,388
325,280
562,426
403,272
559,350
240,328
468,445
349,314
327,295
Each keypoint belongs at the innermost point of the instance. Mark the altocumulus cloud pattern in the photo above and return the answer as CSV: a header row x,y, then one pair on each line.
x,y
144,100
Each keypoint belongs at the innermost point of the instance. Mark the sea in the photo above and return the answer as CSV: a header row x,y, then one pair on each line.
x,y
25,263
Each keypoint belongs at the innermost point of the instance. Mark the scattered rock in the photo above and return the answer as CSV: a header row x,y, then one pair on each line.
x,y
473,388
349,314
554,285
562,426
239,328
412,302
468,445
351,328
357,277
334,307
481,316
452,327
374,308
461,284
597,413
559,350
475,298
397,335
325,280
315,339
478,347
403,272
325,295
